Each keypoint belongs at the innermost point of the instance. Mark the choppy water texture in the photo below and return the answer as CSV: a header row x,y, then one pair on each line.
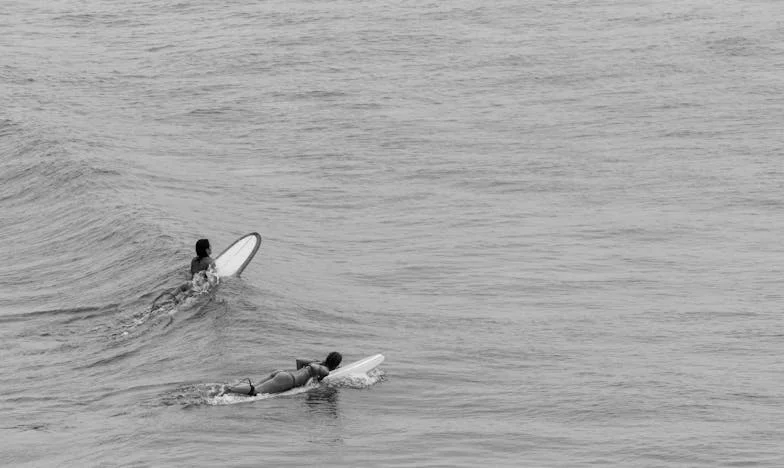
x,y
559,221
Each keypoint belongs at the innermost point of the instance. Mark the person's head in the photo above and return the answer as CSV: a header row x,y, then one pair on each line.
x,y
203,248
333,360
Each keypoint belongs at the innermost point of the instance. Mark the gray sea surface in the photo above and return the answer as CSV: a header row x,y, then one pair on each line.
x,y
560,222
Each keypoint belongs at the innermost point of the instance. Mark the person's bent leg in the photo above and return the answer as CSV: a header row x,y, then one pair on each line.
x,y
243,389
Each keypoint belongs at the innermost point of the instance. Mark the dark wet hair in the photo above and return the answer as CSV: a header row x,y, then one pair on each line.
x,y
333,360
201,247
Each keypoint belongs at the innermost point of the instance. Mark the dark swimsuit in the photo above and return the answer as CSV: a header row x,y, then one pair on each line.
x,y
252,391
294,376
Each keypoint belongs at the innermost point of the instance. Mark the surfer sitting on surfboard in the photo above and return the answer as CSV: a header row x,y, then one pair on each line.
x,y
201,279
280,380
202,260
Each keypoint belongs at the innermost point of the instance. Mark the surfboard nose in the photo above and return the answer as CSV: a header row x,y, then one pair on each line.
x,y
233,260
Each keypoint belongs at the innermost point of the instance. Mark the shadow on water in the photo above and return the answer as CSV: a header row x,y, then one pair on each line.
x,y
323,401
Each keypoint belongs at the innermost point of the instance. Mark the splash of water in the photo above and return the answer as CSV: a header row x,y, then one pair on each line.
x,y
195,293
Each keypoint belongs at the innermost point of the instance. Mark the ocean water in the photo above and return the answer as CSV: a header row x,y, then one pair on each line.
x,y
559,221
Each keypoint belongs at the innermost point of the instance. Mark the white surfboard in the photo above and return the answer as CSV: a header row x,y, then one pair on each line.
x,y
363,366
236,257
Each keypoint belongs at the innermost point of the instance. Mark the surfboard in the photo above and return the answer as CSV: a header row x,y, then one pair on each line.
x,y
363,366
233,260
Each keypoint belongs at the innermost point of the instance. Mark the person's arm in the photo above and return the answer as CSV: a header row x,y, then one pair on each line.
x,y
303,362
318,371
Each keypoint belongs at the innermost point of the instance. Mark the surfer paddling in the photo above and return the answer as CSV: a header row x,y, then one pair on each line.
x,y
281,380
